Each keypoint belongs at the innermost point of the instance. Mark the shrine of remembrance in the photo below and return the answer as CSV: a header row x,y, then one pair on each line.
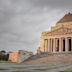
x,y
59,39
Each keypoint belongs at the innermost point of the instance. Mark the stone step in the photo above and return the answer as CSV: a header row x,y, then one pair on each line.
x,y
51,58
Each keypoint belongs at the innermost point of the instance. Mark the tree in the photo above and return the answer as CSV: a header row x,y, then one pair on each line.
x,y
3,51
3,55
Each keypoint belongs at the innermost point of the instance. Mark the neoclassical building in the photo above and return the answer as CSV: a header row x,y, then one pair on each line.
x,y
59,39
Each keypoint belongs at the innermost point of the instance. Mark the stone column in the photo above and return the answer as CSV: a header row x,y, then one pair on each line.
x,y
66,44
54,45
60,44
42,44
49,45
46,45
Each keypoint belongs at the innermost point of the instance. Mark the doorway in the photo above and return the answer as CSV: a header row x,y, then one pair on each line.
x,y
69,44
63,44
58,45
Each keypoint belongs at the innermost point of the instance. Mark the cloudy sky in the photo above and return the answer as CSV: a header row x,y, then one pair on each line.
x,y
22,21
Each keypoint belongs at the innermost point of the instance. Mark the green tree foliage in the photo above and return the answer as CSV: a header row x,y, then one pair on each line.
x,y
4,56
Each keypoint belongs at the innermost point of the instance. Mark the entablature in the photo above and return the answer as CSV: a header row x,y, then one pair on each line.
x,y
60,31
58,25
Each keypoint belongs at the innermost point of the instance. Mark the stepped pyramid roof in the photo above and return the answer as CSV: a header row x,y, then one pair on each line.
x,y
66,18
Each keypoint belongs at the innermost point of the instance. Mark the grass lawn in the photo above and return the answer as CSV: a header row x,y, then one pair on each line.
x,y
9,62
5,62
67,70
3,69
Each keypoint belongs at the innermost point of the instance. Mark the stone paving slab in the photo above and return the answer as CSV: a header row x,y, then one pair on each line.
x,y
33,68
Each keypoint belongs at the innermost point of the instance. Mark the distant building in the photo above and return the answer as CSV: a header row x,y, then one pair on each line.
x,y
19,56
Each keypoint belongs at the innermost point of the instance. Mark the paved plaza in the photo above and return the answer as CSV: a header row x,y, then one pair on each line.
x,y
10,67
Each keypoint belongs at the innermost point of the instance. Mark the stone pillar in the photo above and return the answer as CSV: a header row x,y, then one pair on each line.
x,y
60,44
50,46
49,50
42,44
66,45
56,45
46,45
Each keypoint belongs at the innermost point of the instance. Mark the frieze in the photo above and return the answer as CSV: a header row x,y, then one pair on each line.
x,y
61,31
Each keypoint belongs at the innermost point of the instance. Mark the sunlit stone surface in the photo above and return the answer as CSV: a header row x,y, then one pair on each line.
x,y
19,56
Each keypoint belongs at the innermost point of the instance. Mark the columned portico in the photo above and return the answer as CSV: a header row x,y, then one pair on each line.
x,y
54,45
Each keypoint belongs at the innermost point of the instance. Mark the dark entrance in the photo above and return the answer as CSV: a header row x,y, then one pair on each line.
x,y
69,44
52,45
63,44
57,45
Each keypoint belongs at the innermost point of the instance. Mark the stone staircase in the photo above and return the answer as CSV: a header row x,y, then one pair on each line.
x,y
50,58
37,56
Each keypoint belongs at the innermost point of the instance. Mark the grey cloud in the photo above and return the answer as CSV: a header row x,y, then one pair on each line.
x,y
22,21
53,3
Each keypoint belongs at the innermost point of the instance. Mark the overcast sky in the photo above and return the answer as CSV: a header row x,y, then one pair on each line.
x,y
22,21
